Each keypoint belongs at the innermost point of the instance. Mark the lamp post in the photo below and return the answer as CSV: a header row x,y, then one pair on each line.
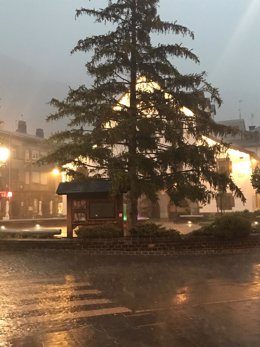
x,y
4,156
60,177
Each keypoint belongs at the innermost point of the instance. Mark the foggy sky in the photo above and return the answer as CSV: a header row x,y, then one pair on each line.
x,y
38,35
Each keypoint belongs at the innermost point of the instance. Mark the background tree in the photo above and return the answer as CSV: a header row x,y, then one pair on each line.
x,y
255,179
147,143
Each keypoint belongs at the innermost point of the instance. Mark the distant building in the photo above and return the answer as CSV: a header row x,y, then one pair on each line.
x,y
247,139
238,125
239,163
26,189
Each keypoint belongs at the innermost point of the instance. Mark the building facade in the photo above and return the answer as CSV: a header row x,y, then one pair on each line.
x,y
27,190
244,138
237,162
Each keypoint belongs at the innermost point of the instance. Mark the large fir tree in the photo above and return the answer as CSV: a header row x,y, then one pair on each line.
x,y
148,143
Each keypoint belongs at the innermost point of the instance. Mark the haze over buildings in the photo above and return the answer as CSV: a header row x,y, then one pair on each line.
x,y
37,37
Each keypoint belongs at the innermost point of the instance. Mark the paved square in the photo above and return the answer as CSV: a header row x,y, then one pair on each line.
x,y
69,298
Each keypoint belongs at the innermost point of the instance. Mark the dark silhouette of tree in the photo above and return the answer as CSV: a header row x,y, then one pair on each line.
x,y
148,143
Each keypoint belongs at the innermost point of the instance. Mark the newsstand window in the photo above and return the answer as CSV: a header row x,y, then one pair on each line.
x,y
102,209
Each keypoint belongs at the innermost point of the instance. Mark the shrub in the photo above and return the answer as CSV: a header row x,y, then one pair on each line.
x,y
23,235
248,215
151,229
230,226
203,231
255,227
98,231
3,235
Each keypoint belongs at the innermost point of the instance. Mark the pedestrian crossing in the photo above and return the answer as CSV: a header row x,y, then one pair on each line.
x,y
28,307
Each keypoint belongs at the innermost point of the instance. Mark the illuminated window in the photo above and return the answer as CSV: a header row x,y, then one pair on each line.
x,y
44,178
36,177
35,154
225,201
224,165
27,177
27,155
14,153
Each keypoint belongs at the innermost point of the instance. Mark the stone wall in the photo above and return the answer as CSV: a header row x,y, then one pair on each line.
x,y
139,246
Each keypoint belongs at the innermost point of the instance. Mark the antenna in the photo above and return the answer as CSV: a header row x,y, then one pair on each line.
x,y
252,118
239,108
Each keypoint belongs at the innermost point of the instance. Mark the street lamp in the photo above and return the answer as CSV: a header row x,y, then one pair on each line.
x,y
61,175
55,172
4,154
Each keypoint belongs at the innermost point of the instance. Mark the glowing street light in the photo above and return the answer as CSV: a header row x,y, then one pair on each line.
x,y
55,172
4,154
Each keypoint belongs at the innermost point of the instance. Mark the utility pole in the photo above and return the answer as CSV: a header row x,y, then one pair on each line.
x,y
239,108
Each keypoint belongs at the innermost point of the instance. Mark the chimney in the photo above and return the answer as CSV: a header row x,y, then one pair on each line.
x,y
39,133
22,128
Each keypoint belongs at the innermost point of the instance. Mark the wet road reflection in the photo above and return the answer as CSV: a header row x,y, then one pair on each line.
x,y
68,298
32,307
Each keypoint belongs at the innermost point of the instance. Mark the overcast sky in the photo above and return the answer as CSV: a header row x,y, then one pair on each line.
x,y
38,35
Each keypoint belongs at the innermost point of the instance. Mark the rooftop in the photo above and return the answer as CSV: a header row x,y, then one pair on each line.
x,y
89,186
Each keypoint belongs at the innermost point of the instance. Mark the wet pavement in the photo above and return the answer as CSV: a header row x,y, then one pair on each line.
x,y
68,298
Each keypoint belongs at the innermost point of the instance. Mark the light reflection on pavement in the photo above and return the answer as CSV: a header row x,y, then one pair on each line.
x,y
68,298
183,228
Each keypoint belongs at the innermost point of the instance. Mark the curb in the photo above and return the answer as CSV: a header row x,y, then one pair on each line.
x,y
133,247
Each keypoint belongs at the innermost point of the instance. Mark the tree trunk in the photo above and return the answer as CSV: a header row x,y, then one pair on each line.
x,y
132,145
132,212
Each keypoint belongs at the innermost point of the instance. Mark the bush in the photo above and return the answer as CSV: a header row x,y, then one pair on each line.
x,y
21,235
248,215
255,227
228,227
3,235
151,229
98,231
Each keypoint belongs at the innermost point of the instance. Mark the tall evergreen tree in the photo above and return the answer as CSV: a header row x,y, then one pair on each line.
x,y
148,143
